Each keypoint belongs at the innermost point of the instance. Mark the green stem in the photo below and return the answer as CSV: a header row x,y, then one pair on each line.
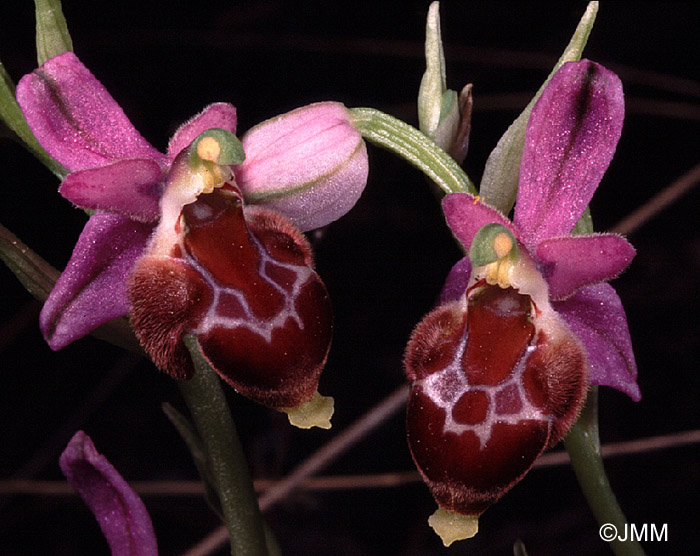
x,y
583,445
415,147
207,403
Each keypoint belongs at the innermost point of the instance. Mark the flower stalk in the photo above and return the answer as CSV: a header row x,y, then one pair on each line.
x,y
416,148
207,403
583,445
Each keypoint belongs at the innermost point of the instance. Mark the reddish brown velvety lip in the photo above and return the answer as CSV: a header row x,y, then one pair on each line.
x,y
492,389
248,291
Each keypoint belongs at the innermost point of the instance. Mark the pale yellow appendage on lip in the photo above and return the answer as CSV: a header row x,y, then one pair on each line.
x,y
451,526
316,412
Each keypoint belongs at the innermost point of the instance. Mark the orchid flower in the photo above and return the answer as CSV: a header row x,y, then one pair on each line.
x,y
293,173
501,368
120,512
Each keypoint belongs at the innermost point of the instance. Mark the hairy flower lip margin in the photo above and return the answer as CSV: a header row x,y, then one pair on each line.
x,y
497,377
116,172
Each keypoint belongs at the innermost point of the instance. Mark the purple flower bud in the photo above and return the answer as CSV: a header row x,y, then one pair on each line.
x,y
309,164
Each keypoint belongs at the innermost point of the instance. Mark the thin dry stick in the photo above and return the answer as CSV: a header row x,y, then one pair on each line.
x,y
658,202
54,444
396,48
345,482
341,443
301,477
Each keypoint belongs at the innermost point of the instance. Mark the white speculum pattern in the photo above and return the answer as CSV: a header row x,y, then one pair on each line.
x,y
251,321
446,387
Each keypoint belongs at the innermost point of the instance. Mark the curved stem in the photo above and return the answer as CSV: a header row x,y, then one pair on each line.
x,y
415,147
583,445
207,403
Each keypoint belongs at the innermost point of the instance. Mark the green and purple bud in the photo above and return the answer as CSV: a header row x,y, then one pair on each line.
x,y
309,164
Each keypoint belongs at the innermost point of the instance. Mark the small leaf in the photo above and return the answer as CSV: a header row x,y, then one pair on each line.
x,y
433,83
519,548
35,274
584,226
499,184
52,37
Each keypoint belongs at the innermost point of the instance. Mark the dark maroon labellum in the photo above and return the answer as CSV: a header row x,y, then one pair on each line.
x,y
493,387
241,280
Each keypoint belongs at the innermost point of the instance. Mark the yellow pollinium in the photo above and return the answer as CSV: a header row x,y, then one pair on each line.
x,y
498,272
316,412
451,526
213,176
502,244
209,148
205,164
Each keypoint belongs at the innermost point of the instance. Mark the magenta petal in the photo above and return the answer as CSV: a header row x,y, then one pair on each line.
x,y
121,514
309,164
130,187
571,137
456,282
92,289
571,262
220,114
465,215
75,119
596,315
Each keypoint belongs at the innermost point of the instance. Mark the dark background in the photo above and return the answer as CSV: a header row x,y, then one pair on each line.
x,y
383,264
